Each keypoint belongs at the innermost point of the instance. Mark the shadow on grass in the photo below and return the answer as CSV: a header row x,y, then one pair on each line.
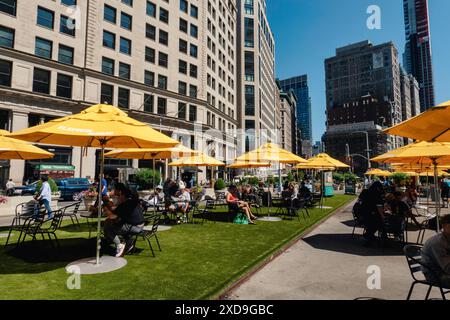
x,y
345,243
40,256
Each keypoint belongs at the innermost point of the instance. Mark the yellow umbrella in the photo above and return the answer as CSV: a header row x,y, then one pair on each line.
x,y
322,162
152,154
100,126
249,165
378,172
432,125
270,152
17,149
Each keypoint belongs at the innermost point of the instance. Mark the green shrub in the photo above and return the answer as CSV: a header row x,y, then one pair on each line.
x,y
52,183
290,177
254,181
351,176
271,180
144,178
401,179
338,177
220,184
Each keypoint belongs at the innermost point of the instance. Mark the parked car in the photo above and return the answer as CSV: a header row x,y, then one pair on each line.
x,y
71,188
26,190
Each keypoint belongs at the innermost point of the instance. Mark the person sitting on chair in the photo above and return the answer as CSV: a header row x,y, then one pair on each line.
x,y
399,211
236,204
436,255
155,198
181,204
127,219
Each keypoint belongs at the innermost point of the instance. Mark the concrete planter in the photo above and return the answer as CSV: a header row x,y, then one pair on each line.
x,y
88,203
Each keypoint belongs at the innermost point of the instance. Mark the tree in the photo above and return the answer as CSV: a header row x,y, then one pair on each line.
x,y
144,178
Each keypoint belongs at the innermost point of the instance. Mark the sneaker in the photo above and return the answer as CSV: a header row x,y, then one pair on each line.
x,y
120,250
50,216
129,246
185,220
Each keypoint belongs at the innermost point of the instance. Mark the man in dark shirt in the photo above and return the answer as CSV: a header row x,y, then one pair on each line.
x,y
126,219
399,211
372,204
436,255
304,192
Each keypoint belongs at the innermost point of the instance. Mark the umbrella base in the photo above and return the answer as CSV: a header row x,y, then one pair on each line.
x,y
160,228
5,235
269,219
323,207
89,266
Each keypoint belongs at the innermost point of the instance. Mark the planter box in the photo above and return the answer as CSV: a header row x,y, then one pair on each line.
x,y
9,209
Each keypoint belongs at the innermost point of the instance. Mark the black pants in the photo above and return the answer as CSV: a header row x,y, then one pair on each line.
x,y
373,223
113,230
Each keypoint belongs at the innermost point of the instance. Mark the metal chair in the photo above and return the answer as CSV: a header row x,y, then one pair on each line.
x,y
23,212
147,235
36,227
72,212
413,254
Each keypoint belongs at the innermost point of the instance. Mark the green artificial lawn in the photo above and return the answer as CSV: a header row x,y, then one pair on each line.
x,y
197,261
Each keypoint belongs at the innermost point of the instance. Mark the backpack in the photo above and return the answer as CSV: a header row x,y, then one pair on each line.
x,y
240,219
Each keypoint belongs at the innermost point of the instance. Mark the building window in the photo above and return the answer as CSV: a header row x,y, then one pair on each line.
x,y
67,26
43,48
108,66
162,106
194,11
128,2
182,88
150,31
151,9
125,46
192,113
41,81
194,31
249,33
163,15
126,21
5,73
193,71
110,14
194,51
162,82
183,46
149,78
149,55
249,100
107,94
124,71
163,59
69,2
163,37
182,67
148,103
64,86
249,66
65,54
193,91
248,7
124,98
183,25
109,39
45,18
184,6
182,110
6,37
8,6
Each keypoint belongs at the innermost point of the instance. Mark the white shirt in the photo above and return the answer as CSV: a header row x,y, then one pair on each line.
x,y
46,191
10,185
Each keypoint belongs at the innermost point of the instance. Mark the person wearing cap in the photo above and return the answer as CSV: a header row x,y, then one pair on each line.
x,y
156,198
181,203
436,255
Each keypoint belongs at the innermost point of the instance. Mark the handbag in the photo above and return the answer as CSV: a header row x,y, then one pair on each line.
x,y
240,219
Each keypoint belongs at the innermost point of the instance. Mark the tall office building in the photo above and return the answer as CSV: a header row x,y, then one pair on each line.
x,y
171,64
363,90
418,55
256,74
304,114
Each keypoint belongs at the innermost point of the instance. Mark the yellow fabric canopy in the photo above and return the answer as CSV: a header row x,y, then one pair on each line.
x,y
17,149
432,125
201,160
322,162
249,165
99,125
421,153
270,152
378,172
148,154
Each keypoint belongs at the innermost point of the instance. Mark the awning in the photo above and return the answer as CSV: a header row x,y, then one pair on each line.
x,y
54,167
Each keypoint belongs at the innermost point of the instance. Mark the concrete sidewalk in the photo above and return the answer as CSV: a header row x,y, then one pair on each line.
x,y
330,264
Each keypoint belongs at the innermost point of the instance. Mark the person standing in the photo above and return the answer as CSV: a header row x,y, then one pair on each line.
x,y
10,187
44,196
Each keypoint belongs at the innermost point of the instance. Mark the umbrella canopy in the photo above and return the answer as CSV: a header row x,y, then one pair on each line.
x,y
270,152
17,149
378,172
249,165
201,160
421,153
148,154
98,126
432,125
322,162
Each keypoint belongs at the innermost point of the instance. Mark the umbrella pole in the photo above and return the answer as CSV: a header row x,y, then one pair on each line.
x,y
436,195
100,200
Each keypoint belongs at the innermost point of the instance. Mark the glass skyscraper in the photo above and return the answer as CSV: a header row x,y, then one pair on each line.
x,y
304,117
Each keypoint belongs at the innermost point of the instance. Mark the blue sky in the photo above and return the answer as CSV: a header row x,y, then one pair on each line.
x,y
308,31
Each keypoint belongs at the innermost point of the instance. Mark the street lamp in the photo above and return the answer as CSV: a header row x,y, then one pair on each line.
x,y
367,146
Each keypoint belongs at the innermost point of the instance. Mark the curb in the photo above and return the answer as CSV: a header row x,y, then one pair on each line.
x,y
282,250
